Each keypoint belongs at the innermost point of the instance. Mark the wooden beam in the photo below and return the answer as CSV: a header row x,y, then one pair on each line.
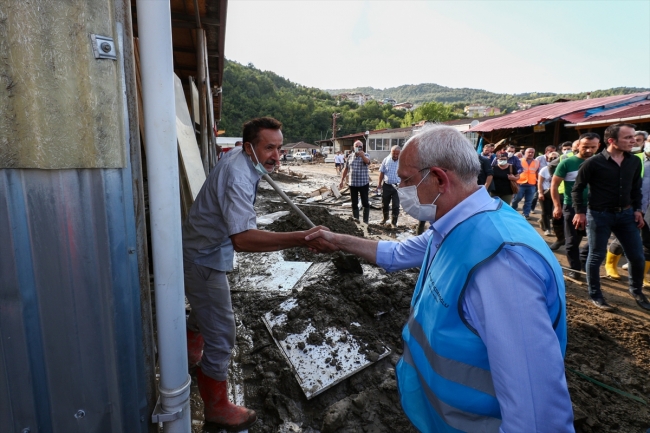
x,y
192,50
192,19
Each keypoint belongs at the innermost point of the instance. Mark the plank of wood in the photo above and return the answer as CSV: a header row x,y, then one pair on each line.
x,y
189,148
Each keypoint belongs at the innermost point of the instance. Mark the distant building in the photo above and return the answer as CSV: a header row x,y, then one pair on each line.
x,y
407,106
523,105
390,101
359,98
476,110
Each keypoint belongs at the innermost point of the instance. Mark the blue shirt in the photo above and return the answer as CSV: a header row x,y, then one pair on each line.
x,y
222,208
511,317
389,168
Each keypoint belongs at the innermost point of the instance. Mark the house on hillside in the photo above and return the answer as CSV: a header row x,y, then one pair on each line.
x,y
406,106
476,110
359,98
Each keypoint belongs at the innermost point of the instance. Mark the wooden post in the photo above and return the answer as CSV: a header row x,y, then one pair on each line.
x,y
200,69
556,135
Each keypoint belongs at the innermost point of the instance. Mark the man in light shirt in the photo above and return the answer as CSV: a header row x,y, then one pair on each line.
x,y
485,340
388,181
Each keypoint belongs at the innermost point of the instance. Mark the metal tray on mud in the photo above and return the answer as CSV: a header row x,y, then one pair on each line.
x,y
265,272
319,367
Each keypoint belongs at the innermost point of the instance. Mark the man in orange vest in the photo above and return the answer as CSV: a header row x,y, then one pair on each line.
x,y
527,181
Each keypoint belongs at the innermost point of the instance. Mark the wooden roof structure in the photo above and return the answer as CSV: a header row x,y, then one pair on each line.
x,y
189,17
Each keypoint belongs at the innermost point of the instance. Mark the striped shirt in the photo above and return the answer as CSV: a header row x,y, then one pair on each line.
x,y
358,170
389,168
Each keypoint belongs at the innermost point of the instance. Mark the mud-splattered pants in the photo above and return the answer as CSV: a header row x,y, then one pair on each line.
x,y
208,292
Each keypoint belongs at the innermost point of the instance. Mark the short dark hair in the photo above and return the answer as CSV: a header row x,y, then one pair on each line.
x,y
551,148
567,143
252,128
612,130
589,136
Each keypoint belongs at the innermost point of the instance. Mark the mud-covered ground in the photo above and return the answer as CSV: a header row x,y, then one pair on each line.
x,y
612,349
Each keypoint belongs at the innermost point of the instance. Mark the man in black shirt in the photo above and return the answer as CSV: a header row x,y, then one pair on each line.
x,y
614,180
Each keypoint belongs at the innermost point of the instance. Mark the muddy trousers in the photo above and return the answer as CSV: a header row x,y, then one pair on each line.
x,y
208,292
388,194
355,192
547,211
576,255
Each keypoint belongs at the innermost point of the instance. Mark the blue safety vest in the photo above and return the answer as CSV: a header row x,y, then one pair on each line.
x,y
444,377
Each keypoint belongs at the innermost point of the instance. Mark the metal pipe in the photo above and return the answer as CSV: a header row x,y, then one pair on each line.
x,y
154,31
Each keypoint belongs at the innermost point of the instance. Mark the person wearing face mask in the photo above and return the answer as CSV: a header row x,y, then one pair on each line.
x,y
513,159
480,353
502,174
223,220
357,166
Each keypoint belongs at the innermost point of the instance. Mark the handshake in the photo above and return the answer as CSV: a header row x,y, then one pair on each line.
x,y
320,239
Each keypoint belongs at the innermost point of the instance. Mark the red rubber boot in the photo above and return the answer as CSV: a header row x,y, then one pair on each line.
x,y
194,348
218,410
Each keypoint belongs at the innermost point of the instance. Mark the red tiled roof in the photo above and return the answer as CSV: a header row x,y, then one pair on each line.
x,y
550,112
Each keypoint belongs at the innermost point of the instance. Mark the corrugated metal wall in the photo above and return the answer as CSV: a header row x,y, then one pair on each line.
x,y
70,327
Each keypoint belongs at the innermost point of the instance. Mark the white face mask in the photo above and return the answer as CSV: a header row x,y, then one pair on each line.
x,y
502,163
646,148
408,198
511,154
259,167
635,150
566,151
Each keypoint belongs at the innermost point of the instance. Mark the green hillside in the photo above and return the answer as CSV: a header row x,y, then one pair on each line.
x,y
426,92
306,112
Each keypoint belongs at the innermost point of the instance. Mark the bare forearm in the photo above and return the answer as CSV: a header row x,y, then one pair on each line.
x,y
258,241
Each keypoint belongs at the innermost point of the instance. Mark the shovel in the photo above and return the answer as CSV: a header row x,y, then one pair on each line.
x,y
344,263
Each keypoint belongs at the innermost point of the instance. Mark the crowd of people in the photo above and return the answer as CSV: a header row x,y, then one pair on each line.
x,y
584,193
481,353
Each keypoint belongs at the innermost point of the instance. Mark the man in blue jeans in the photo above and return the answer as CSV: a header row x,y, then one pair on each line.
x,y
527,182
614,181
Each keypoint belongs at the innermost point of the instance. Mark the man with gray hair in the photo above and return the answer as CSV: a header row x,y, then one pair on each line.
x,y
388,181
486,336
640,138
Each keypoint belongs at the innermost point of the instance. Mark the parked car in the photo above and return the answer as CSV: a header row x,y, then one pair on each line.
x,y
289,157
303,156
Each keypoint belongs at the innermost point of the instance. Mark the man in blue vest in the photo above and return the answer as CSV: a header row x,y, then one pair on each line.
x,y
485,340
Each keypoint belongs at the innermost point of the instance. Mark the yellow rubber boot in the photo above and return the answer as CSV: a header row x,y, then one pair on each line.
x,y
646,281
611,264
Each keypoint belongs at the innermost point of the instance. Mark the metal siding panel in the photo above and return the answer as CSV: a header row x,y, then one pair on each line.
x,y
71,293
26,321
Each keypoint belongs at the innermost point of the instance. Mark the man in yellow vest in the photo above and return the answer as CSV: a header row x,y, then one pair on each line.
x,y
527,181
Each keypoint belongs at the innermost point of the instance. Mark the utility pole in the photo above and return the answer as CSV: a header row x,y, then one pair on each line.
x,y
334,116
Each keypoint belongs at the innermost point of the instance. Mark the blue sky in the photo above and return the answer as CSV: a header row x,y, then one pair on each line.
x,y
500,46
